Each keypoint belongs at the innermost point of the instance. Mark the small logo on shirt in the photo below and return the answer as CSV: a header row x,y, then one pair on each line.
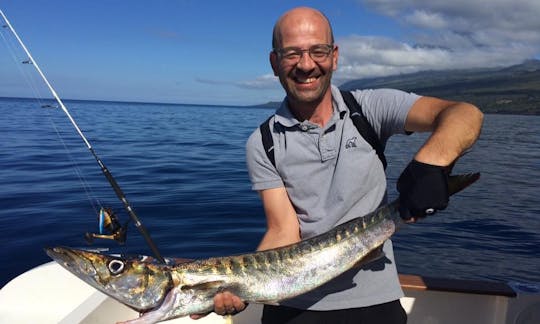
x,y
351,142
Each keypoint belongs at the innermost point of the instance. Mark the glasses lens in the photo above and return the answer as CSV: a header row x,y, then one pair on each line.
x,y
291,53
320,52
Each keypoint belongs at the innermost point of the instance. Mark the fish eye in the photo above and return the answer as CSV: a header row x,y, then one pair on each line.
x,y
116,267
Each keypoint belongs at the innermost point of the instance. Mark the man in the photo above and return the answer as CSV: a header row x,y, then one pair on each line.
x,y
325,173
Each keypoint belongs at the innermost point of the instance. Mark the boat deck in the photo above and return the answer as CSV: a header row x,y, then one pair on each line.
x,y
50,294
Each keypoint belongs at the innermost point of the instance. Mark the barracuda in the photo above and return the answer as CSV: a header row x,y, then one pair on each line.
x,y
175,289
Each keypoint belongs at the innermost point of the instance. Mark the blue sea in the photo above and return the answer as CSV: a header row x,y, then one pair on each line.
x,y
182,169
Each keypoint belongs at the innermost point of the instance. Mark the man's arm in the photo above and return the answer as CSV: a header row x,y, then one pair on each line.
x,y
455,126
282,229
281,220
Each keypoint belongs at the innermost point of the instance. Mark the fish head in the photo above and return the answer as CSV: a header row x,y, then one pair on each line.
x,y
136,282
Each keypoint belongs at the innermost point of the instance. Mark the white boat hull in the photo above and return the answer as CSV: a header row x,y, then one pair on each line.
x,y
50,294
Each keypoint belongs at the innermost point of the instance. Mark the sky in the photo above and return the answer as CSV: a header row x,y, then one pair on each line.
x,y
216,52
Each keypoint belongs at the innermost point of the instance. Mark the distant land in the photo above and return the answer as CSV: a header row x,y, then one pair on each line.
x,y
509,90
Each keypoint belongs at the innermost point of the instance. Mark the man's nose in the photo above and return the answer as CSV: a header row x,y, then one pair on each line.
x,y
306,62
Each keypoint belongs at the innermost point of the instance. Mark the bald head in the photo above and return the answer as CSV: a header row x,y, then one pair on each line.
x,y
296,17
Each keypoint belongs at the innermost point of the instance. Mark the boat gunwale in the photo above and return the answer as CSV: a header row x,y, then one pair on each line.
x,y
415,282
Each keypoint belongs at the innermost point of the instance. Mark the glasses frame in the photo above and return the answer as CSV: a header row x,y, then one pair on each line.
x,y
280,52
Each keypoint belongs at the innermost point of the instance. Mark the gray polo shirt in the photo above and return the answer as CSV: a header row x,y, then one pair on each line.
x,y
332,175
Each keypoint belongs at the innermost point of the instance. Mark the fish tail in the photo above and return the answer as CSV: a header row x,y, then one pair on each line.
x,y
458,182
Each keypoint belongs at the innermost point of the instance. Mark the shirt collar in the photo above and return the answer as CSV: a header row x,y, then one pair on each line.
x,y
285,117
338,103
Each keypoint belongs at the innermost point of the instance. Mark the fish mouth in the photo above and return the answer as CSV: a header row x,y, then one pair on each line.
x,y
60,255
139,289
72,260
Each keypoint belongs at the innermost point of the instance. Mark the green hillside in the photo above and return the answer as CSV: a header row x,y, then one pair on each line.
x,y
513,90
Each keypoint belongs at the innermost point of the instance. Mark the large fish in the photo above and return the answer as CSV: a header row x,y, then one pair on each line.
x,y
167,291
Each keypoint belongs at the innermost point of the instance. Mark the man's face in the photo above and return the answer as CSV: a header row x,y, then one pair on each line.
x,y
304,80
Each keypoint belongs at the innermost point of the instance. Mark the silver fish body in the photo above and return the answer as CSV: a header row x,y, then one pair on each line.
x,y
166,291
262,277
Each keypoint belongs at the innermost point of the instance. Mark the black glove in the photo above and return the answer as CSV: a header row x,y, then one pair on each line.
x,y
423,189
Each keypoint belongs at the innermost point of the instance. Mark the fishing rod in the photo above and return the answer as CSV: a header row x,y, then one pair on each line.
x,y
119,193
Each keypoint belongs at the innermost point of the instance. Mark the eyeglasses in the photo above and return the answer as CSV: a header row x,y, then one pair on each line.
x,y
318,53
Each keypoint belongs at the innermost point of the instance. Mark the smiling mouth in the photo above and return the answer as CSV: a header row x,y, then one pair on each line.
x,y
305,80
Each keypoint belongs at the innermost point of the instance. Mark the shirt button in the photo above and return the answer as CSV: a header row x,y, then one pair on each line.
x,y
304,127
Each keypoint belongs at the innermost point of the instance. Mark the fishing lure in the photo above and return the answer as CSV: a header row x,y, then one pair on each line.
x,y
109,228
119,193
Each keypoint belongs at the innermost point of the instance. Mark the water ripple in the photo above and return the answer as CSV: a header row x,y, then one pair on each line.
x,y
183,170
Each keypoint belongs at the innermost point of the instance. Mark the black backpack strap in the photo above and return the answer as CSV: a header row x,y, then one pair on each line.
x,y
359,120
362,124
268,141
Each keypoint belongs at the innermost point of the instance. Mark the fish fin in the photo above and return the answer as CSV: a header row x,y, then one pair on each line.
x,y
157,314
458,182
372,255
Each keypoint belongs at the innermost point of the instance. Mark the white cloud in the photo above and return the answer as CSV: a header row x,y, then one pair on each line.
x,y
362,56
264,82
444,35
439,35
504,19
267,81
426,19
212,81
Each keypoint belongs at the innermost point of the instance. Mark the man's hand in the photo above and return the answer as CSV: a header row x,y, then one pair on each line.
x,y
423,189
225,303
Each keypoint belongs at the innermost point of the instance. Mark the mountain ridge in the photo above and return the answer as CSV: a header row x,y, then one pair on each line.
x,y
509,90
512,89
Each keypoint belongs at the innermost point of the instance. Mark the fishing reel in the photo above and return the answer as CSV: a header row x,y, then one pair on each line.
x,y
109,228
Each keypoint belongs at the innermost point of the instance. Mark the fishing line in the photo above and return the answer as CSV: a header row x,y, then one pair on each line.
x,y
28,77
90,195
119,193
24,72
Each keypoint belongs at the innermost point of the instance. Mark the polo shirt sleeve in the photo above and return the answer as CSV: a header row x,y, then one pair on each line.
x,y
262,173
386,109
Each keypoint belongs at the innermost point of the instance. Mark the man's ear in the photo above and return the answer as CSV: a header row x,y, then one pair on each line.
x,y
274,63
335,56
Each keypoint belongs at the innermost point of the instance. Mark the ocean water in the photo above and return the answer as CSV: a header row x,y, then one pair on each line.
x,y
182,168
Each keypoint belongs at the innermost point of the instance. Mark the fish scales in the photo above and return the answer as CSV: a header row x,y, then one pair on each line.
x,y
301,256
266,276
164,292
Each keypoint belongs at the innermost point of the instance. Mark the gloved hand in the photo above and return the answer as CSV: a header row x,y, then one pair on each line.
x,y
423,189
